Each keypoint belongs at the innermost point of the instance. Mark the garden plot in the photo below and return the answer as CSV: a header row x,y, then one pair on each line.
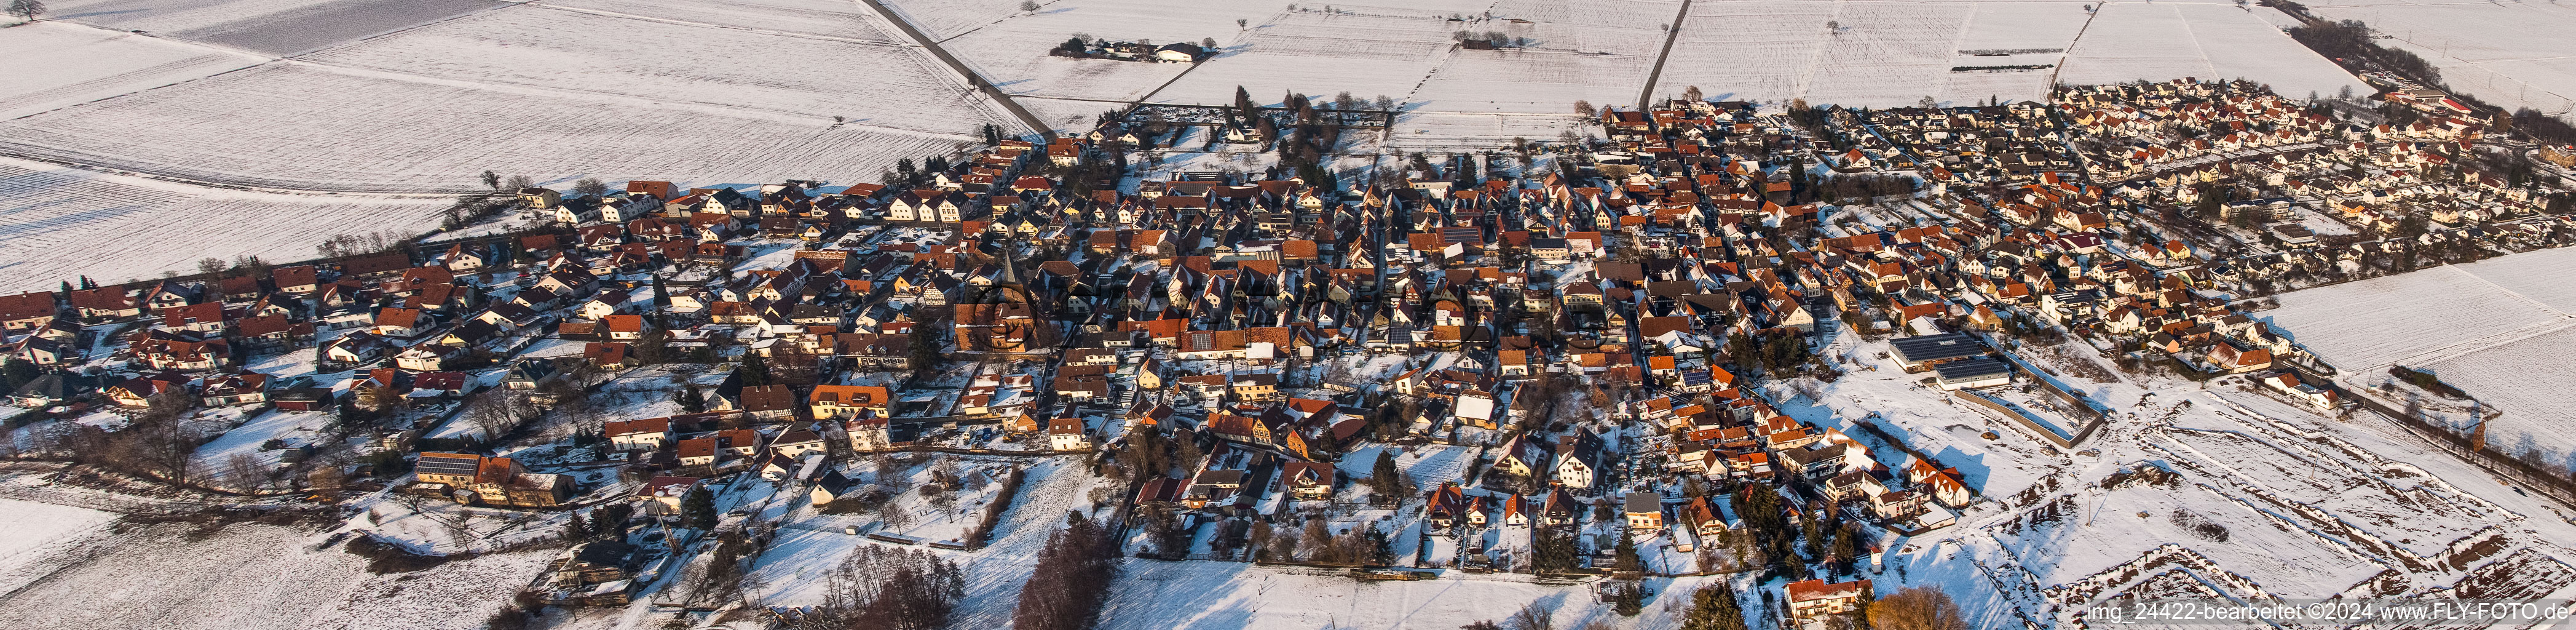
x,y
1013,53
1320,54
302,126
56,64
132,228
868,84
834,18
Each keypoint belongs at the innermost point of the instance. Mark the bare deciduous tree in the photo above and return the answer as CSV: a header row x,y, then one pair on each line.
x,y
26,10
1917,608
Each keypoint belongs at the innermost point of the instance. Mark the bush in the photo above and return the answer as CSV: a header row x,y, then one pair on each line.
x,y
2427,381
384,557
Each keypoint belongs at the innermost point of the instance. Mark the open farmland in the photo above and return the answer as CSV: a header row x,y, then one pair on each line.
x,y
2409,317
2209,41
275,27
839,19
128,228
257,576
868,83
1887,53
2498,329
1013,52
57,65
1754,51
944,19
2512,54
1317,53
308,127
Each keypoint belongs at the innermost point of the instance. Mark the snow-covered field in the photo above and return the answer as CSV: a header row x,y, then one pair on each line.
x,y
1227,595
257,576
1887,54
535,46
2130,41
310,127
29,531
2511,54
2431,315
273,27
126,227
1367,54
55,64
1013,52
833,18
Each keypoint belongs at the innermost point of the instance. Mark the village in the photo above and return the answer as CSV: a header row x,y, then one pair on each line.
x,y
1591,359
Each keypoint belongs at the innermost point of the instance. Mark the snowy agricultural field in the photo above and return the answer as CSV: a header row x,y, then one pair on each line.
x,y
1887,54
59,64
242,575
2207,41
1067,115
128,228
1531,81
273,27
304,126
1013,52
2512,54
2527,380
2431,314
838,19
1159,595
33,533
1366,54
1755,51
1455,130
535,46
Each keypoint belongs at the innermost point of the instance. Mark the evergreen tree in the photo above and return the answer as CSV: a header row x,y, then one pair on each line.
x,y
1713,607
661,296
691,400
992,135
754,370
576,528
67,286
1385,478
87,284
698,510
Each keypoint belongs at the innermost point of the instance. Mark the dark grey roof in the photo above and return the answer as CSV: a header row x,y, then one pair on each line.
x,y
447,466
1972,369
1921,348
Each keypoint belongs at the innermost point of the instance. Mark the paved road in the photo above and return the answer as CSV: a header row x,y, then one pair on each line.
x,y
977,80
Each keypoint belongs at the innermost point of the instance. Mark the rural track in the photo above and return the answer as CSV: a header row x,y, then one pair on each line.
x,y
1652,76
972,79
